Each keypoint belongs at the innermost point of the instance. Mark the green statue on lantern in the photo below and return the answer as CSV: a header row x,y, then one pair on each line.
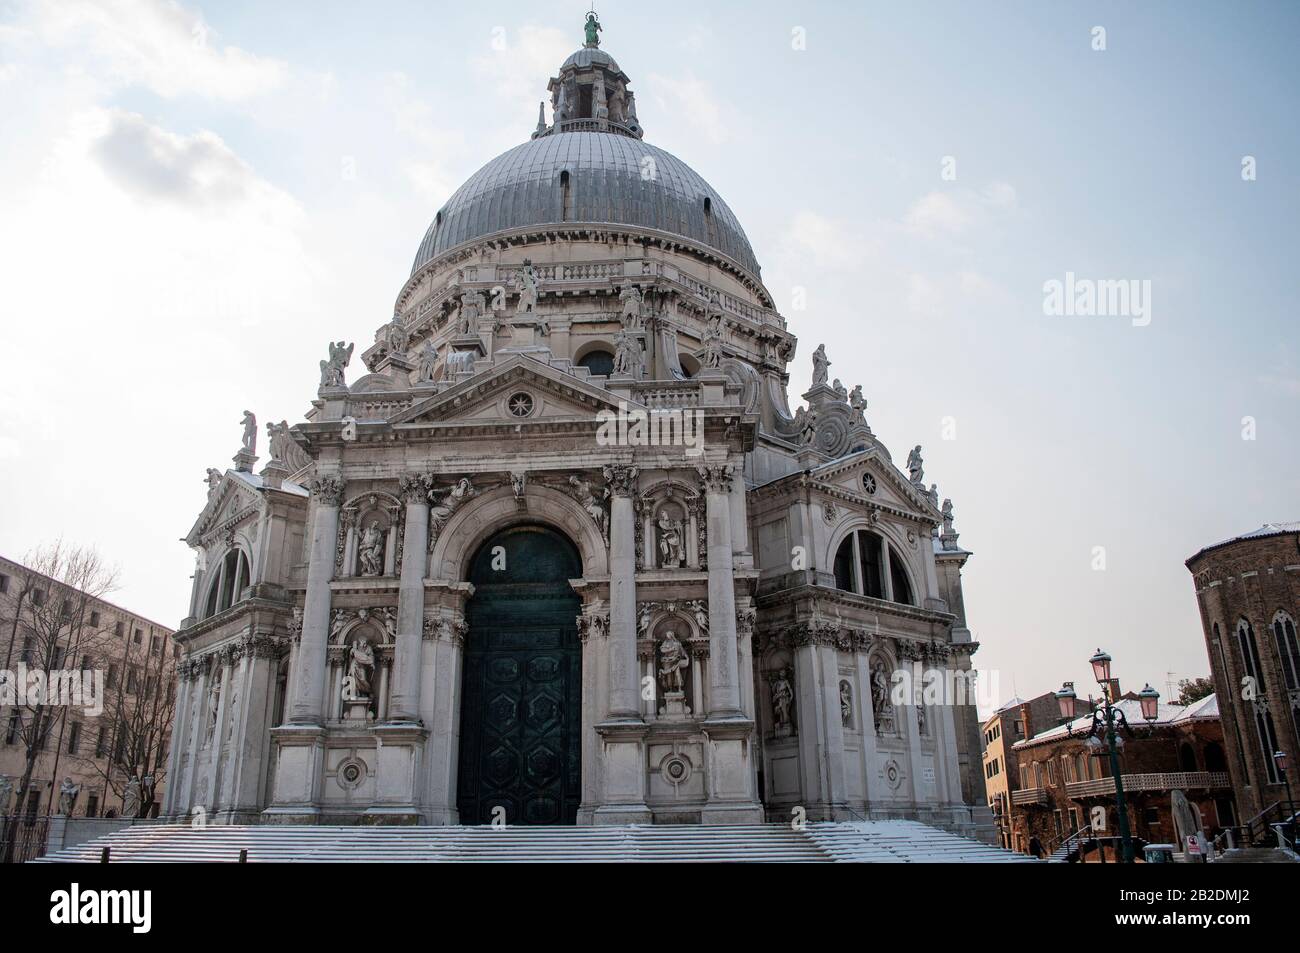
x,y
592,29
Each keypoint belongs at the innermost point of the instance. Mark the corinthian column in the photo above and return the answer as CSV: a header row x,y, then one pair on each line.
x,y
309,676
724,686
623,695
404,704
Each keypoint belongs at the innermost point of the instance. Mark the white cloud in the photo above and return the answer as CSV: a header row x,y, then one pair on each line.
x,y
693,101
954,211
155,165
153,43
516,64
433,145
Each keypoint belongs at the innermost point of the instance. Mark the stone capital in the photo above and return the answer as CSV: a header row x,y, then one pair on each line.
x,y
715,479
415,487
621,480
328,490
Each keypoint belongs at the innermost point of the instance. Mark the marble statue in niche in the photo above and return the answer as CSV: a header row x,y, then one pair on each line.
x,y
371,550
361,667
672,663
782,701
214,705
670,538
881,706
846,704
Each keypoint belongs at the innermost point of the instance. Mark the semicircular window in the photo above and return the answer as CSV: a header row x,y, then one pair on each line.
x,y
869,566
598,362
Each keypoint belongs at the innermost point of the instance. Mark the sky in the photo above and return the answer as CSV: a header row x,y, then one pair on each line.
x,y
195,198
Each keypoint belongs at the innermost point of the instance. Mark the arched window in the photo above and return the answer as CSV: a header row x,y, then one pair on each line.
x,y
1287,649
866,564
232,578
1186,757
598,362
1214,757
566,197
1249,653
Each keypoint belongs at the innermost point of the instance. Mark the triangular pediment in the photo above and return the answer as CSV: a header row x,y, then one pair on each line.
x,y
489,398
870,474
232,500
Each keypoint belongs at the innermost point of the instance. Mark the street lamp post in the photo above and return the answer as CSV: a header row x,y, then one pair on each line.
x,y
1283,762
1106,719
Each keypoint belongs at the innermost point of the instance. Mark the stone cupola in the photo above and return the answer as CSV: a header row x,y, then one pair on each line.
x,y
591,93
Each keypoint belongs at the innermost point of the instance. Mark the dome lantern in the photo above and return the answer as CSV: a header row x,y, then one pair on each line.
x,y
591,93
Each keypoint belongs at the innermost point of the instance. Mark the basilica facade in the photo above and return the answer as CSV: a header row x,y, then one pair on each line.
x,y
563,553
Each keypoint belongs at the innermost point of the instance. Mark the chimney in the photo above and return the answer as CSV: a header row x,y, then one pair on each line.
x,y
1026,727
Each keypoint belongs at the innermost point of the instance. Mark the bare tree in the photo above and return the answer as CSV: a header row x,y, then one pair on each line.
x,y
140,708
52,620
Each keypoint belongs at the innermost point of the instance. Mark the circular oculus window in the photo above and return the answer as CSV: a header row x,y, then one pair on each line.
x,y
520,404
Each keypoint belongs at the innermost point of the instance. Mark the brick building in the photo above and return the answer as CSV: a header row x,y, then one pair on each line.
x,y
1015,721
47,626
1248,591
1061,776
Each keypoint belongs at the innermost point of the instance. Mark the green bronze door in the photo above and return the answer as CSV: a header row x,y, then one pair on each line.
x,y
521,699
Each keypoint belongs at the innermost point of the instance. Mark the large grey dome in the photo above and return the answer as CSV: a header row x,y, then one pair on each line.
x,y
613,179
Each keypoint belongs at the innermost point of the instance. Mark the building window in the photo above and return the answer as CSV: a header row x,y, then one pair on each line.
x,y
94,620
1250,653
598,362
4,583
101,742
15,725
860,567
92,805
1287,649
74,737
111,677
231,580
119,630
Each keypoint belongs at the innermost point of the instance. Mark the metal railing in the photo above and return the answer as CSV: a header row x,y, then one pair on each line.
x,y
1029,796
26,833
1162,781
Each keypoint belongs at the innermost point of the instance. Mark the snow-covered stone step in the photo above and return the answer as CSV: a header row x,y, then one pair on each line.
x,y
871,841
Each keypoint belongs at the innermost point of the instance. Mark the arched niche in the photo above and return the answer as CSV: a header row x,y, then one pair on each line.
x,y
369,522
667,507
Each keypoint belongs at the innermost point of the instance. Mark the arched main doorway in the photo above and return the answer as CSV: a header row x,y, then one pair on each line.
x,y
521,698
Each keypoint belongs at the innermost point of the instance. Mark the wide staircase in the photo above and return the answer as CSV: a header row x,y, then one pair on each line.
x,y
868,841
1258,855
